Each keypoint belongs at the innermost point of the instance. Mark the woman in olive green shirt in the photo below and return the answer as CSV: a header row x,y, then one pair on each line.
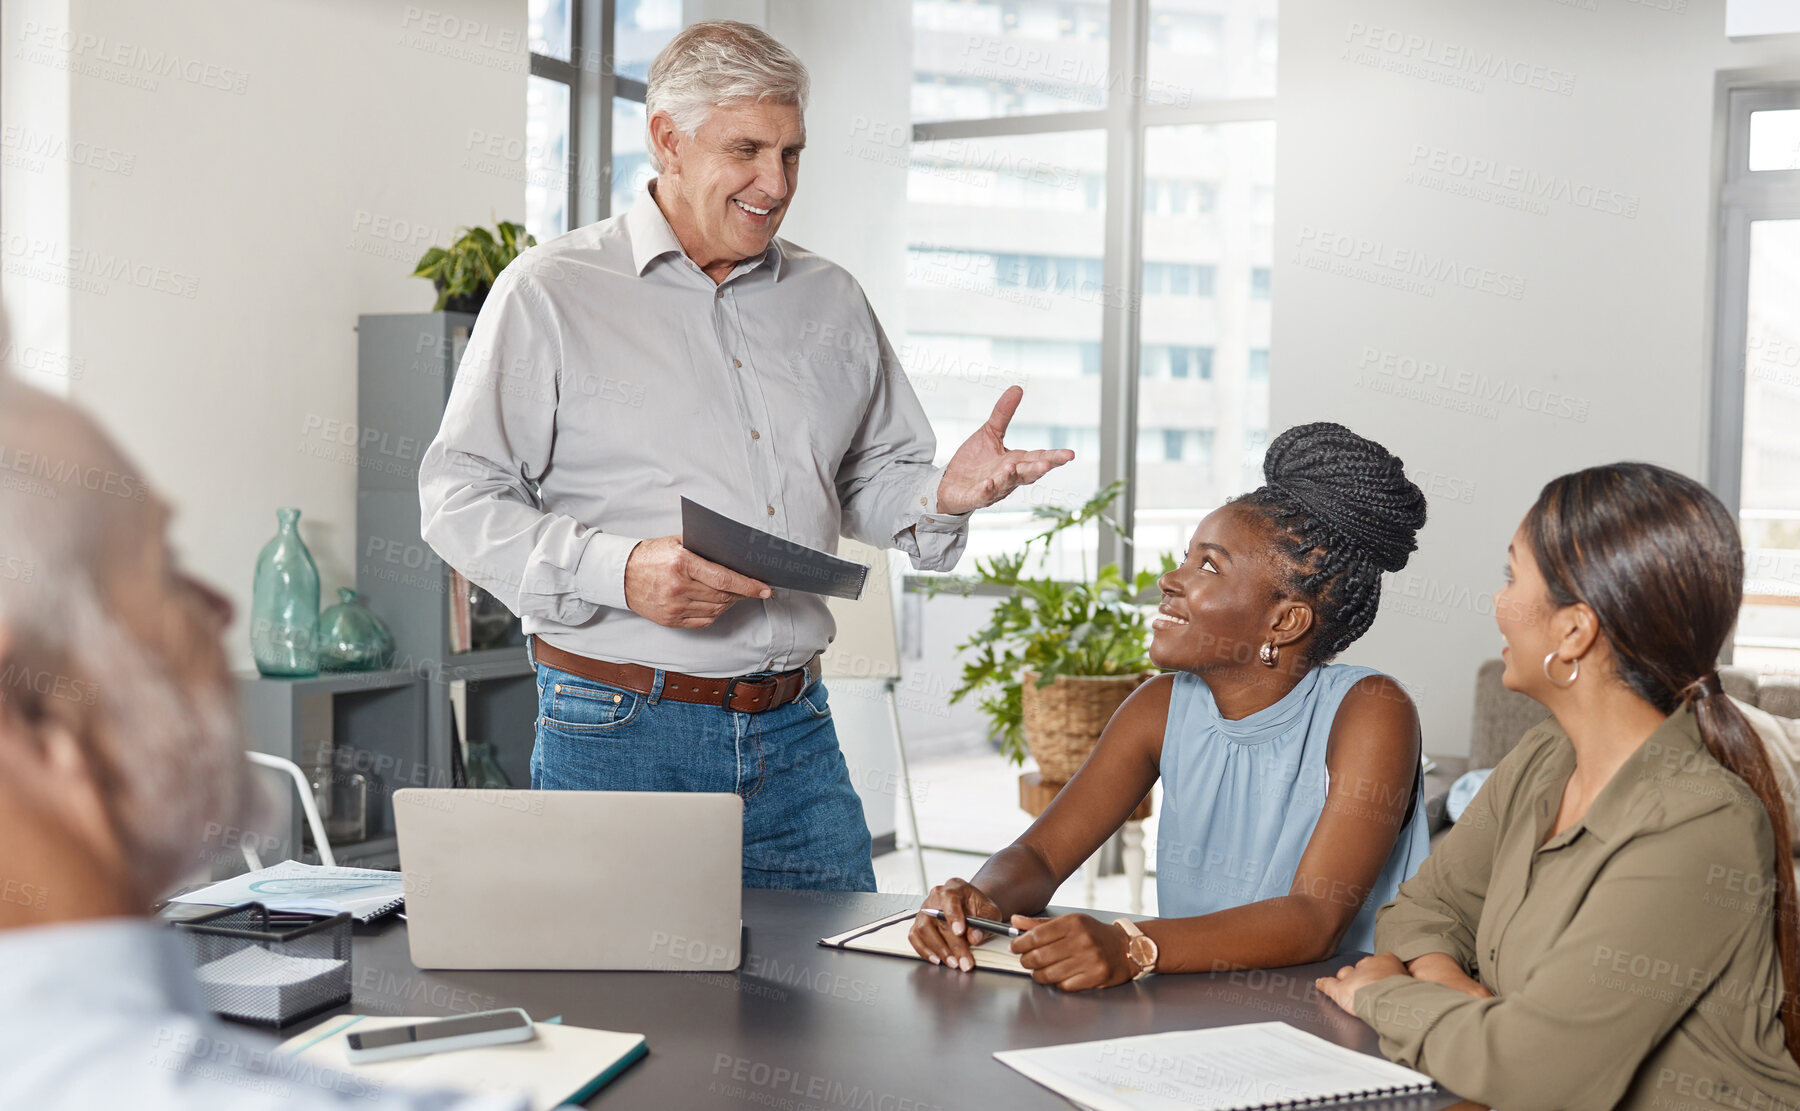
x,y
1609,922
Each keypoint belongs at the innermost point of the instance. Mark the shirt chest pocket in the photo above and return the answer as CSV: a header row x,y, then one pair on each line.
x,y
827,394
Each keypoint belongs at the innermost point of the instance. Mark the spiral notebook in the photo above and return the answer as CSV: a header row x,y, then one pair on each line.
x,y
1226,1068
366,893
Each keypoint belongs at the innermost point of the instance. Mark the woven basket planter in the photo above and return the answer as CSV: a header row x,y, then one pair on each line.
x,y
1063,721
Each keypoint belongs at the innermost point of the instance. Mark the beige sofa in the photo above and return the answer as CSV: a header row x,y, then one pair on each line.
x,y
1501,717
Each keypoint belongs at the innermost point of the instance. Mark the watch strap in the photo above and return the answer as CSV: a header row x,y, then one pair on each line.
x,y
1133,934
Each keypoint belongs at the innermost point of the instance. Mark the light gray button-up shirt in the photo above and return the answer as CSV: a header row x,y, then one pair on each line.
x,y
607,376
107,1013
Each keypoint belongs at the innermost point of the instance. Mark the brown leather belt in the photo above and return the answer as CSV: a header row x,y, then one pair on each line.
x,y
738,694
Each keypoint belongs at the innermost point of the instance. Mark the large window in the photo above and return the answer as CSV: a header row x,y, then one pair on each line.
x,y
584,107
552,107
1089,217
641,28
1756,454
1221,419
1006,284
983,59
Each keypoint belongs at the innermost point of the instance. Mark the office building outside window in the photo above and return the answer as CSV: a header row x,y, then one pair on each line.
x,y
1031,122
586,154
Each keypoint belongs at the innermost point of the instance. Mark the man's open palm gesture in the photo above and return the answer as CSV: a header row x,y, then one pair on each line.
x,y
983,470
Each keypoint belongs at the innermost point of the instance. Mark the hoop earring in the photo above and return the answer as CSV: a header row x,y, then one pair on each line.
x,y
1573,675
1268,653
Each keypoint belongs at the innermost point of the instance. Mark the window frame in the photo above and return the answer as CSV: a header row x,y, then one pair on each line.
x,y
1126,121
593,85
1746,197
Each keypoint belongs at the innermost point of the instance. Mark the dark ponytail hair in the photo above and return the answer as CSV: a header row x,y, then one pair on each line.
x,y
1657,558
1344,511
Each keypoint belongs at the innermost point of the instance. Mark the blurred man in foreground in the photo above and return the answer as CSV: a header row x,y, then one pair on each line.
x,y
119,744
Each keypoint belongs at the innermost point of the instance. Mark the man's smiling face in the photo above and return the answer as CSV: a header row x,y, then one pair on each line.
x,y
733,179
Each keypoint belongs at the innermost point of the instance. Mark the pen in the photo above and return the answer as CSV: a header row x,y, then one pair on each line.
x,y
987,924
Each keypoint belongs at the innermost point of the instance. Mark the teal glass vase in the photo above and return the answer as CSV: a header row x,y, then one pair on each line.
x,y
284,605
482,768
352,638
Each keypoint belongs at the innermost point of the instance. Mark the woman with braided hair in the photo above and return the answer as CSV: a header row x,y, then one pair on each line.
x,y
1291,786
1611,923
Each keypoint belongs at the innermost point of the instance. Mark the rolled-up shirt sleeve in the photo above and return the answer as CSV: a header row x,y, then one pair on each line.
x,y
886,483
478,498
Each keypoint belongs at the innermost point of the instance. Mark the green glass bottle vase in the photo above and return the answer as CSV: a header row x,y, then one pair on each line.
x,y
352,638
482,768
284,607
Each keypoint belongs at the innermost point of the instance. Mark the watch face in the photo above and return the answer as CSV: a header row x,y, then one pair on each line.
x,y
1143,952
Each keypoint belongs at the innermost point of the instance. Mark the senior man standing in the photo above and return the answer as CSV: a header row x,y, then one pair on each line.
x,y
682,349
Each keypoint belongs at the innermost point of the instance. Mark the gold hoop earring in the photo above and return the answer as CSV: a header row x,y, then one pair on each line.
x,y
1268,653
1573,675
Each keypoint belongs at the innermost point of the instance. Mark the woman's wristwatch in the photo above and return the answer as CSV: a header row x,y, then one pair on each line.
x,y
1140,948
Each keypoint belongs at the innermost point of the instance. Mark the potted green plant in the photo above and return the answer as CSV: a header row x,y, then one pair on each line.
x,y
1056,658
464,271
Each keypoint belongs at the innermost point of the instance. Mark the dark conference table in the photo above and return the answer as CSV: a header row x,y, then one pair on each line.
x,y
801,1027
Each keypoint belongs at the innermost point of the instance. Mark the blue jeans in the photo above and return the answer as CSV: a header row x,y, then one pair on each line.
x,y
803,822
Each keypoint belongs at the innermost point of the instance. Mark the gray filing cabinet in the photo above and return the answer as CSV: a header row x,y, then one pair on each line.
x,y
395,726
406,364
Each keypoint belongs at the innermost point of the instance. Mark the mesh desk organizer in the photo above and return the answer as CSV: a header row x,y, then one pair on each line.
x,y
269,968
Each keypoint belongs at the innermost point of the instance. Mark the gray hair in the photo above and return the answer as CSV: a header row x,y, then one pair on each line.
x,y
717,62
166,756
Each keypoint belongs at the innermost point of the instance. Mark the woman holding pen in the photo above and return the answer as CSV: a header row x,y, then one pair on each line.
x,y
1291,786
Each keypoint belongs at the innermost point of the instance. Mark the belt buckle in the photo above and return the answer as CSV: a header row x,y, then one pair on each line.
x,y
731,687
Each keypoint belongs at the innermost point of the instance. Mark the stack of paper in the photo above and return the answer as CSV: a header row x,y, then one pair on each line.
x,y
1227,1068
261,986
308,889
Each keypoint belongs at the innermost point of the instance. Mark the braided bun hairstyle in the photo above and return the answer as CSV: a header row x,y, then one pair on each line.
x,y
1344,511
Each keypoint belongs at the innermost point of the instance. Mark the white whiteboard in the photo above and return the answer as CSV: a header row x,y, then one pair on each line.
x,y
867,645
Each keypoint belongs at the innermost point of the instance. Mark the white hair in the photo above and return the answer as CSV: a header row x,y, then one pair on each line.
x,y
718,62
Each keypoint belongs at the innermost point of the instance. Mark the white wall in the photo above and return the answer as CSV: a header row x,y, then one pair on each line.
x,y
1603,354
282,179
37,161
851,206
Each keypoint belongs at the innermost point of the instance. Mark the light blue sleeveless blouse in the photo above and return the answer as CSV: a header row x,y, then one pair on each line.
x,y
1241,798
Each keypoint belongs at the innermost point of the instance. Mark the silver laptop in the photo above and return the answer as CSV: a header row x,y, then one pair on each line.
x,y
572,879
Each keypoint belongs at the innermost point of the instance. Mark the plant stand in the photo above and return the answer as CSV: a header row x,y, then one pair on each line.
x,y
1035,793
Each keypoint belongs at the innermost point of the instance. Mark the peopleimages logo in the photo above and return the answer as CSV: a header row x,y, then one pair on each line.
x,y
1061,75
1376,260
1452,57
1475,386
1444,169
88,270
31,149
84,52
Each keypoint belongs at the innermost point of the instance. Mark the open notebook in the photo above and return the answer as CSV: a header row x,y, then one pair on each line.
x,y
367,893
1226,1068
888,935
560,1064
